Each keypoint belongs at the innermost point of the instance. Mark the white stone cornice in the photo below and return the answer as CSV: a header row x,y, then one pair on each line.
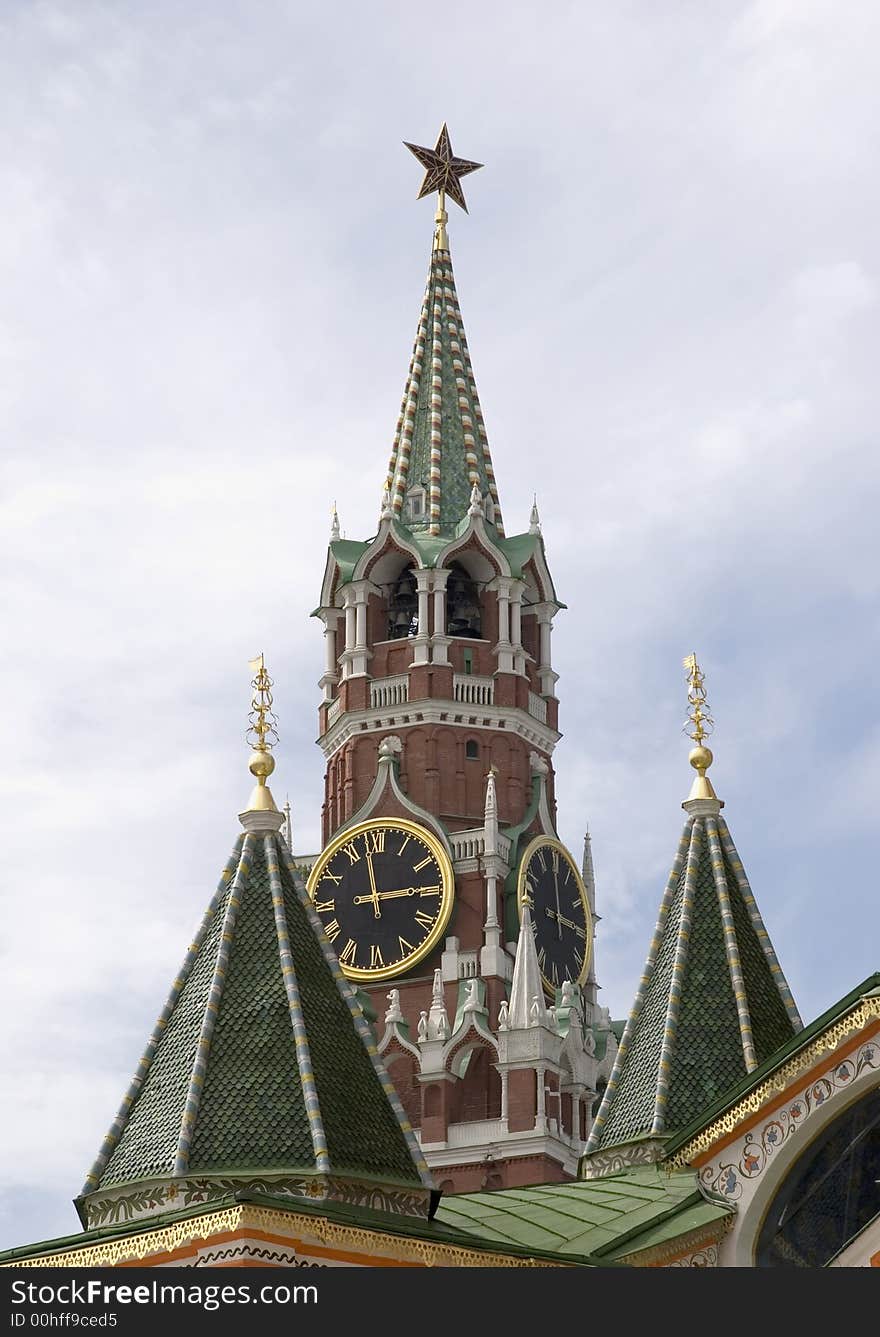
x,y
518,723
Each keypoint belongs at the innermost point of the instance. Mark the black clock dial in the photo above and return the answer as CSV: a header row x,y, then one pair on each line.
x,y
560,910
383,893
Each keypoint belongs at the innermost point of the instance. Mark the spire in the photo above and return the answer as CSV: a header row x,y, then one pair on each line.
x,y
698,725
526,987
440,445
262,735
257,1060
535,519
713,1002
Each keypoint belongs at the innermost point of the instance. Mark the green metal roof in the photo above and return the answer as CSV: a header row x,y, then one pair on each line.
x,y
712,1004
605,1218
261,1059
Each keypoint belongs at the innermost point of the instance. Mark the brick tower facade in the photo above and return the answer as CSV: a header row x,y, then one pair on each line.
x,y
439,707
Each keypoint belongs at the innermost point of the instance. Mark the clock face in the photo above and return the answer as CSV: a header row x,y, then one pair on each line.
x,y
383,892
561,912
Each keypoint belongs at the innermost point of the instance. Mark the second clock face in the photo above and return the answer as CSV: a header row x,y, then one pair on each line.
x,y
383,892
561,912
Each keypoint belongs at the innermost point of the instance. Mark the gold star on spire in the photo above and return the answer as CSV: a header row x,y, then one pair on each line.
x,y
442,170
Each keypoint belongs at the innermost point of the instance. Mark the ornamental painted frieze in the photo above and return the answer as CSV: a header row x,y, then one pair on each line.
x,y
757,1148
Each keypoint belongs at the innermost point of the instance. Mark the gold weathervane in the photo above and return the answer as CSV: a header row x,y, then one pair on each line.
x,y
443,173
262,735
698,726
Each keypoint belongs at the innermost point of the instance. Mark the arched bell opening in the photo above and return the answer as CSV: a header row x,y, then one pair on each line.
x,y
464,614
403,606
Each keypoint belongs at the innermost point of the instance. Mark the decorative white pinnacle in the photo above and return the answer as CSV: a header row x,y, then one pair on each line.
x,y
334,525
438,1021
535,519
526,984
387,511
476,506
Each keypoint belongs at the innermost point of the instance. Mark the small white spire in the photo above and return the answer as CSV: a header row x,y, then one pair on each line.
x,y
287,829
438,1020
387,511
526,984
476,506
535,519
334,524
490,817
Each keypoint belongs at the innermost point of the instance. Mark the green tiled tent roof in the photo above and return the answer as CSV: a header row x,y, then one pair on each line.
x,y
606,1219
261,1059
712,1004
440,442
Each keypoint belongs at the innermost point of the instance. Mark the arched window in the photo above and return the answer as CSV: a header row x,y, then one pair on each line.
x,y
463,613
403,606
472,750
829,1195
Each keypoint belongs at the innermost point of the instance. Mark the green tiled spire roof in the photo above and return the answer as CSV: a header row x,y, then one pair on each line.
x,y
440,442
261,1062
713,1002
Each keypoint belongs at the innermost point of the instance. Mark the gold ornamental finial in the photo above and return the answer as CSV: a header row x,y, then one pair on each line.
x,y
443,172
698,726
262,734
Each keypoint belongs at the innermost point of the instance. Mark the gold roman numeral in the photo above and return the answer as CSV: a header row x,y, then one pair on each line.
x,y
403,846
554,974
579,958
376,961
332,876
374,842
542,860
554,854
542,958
429,891
405,947
332,930
417,868
325,907
351,851
423,920
348,953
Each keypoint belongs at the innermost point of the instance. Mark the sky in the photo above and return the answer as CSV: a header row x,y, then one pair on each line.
x,y
212,262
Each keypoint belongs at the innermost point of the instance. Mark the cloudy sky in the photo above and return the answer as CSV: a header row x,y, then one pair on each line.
x,y
212,263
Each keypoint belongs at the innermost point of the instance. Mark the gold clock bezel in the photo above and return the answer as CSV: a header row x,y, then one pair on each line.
x,y
447,896
550,842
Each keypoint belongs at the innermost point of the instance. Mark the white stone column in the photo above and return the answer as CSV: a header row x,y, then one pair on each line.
x,y
546,676
360,641
350,631
422,641
519,657
541,1113
439,640
503,650
330,676
504,1096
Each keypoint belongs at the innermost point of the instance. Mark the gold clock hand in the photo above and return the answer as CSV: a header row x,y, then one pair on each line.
x,y
374,896
393,895
558,910
569,923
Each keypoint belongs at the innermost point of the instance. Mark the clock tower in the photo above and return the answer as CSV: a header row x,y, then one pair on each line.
x,y
442,883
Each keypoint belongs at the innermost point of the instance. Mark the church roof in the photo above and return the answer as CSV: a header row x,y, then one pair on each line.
x,y
713,1002
261,1059
440,442
605,1219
